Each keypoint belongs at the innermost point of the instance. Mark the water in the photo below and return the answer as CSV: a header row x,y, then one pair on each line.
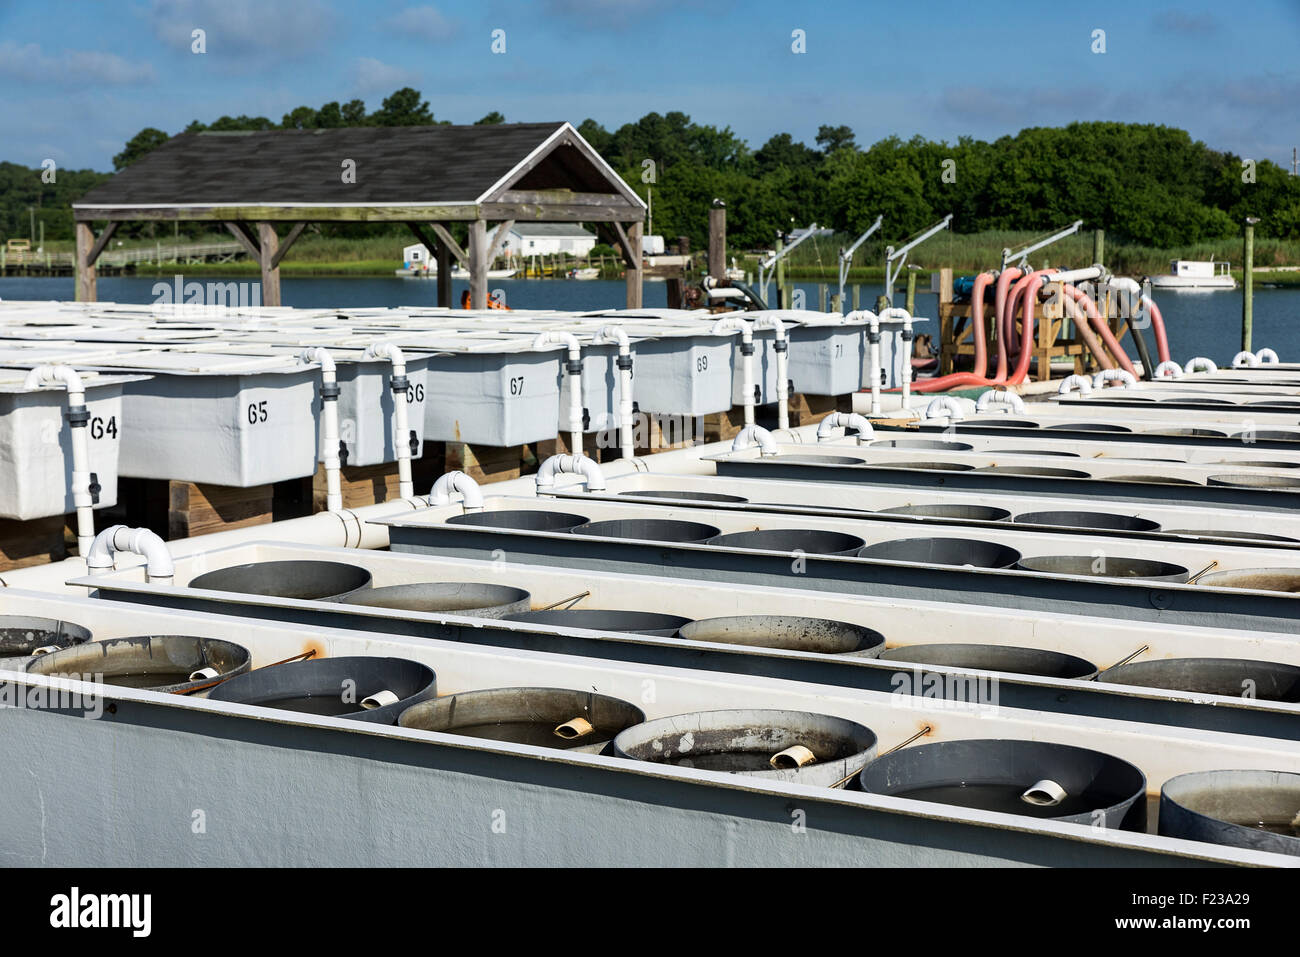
x,y
1199,323
1006,798
151,679
328,705
538,733
733,761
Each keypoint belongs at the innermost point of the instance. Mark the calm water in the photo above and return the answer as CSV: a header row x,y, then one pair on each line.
x,y
1199,323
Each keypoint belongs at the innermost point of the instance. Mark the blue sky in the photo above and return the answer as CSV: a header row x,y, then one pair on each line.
x,y
79,78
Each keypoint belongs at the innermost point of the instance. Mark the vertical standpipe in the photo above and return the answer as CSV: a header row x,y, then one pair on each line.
x,y
84,487
405,441
572,368
782,349
725,327
329,394
616,334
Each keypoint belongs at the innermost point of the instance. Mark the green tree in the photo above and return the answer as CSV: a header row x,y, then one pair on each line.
x,y
403,108
492,118
147,140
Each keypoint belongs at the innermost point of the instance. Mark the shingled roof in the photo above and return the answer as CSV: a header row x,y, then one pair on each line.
x,y
410,167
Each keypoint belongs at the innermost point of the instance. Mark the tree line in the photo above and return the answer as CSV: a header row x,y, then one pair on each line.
x,y
1144,184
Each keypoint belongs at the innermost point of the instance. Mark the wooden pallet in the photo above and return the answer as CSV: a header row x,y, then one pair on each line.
x,y
34,542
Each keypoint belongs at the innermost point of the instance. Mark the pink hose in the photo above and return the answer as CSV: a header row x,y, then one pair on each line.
x,y
1005,278
1100,324
1158,327
976,377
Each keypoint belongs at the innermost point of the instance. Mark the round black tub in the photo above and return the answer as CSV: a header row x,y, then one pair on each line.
x,y
177,664
599,619
522,519
1107,521
1109,566
943,551
1008,658
452,598
21,635
1234,677
648,529
307,580
1255,809
790,632
811,540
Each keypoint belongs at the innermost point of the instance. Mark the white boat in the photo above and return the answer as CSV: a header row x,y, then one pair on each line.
x,y
1195,274
586,272
457,272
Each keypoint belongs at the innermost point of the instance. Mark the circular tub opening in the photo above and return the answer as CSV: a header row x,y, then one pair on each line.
x,y
600,619
1105,521
1254,480
176,664
930,444
356,687
524,519
1266,680
1056,452
815,460
811,540
1148,479
1227,533
1008,658
21,635
1089,427
788,632
943,551
689,496
970,513
454,598
1195,432
307,580
925,466
1255,579
1040,471
1246,808
648,529
1032,778
559,718
1109,566
795,746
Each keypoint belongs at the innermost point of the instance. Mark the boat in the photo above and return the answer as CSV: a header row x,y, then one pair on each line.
x,y
584,272
1195,274
457,272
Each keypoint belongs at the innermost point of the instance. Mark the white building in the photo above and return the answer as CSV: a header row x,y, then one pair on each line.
x,y
547,239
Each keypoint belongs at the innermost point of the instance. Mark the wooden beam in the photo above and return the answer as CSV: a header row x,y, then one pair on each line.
x,y
478,264
718,242
445,235
499,239
444,276
85,265
270,243
101,242
546,213
246,239
565,197
634,291
281,213
625,244
285,243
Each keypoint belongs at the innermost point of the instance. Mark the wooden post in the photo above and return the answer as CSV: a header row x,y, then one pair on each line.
x,y
1247,285
857,297
85,267
821,296
780,276
718,240
478,264
634,267
269,245
910,303
443,253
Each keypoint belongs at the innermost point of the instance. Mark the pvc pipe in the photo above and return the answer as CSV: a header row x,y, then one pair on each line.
x,y
1169,370
329,394
1244,360
572,368
1266,356
616,334
1199,363
401,430
995,397
573,464
873,338
905,365
159,567
456,481
782,348
945,404
845,420
725,326
1126,379
1075,275
755,435
1080,382
83,499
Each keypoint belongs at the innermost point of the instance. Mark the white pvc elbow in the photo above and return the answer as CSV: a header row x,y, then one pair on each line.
x,y
1266,356
845,420
1169,370
995,397
50,374
592,476
456,481
945,406
101,559
1126,379
752,435
1199,364
1081,383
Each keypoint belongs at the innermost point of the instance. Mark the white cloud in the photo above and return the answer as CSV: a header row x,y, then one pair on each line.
x,y
376,76
70,67
242,28
426,23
